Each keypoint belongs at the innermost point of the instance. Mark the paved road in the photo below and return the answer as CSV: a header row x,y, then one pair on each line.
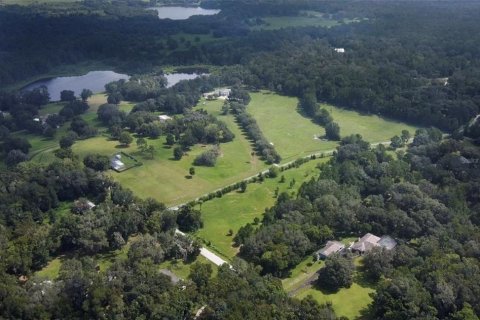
x,y
212,257
209,255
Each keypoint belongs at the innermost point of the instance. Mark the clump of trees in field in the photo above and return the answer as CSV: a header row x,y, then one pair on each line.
x,y
208,158
239,99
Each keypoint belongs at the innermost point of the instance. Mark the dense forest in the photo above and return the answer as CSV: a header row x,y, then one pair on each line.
x,y
402,49
412,61
426,197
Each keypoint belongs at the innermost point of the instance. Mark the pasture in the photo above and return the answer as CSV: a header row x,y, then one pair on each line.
x,y
293,134
168,180
236,209
275,23
303,19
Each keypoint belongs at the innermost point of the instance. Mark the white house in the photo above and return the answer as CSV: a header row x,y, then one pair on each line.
x,y
117,164
221,93
340,50
164,118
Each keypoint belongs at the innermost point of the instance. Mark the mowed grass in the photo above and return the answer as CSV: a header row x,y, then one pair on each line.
x,y
293,134
43,147
304,19
275,23
168,180
347,302
236,209
301,273
182,269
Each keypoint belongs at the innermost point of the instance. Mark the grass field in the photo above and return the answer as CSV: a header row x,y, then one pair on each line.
x,y
275,23
293,134
346,302
304,19
182,269
160,178
301,273
167,180
43,147
236,209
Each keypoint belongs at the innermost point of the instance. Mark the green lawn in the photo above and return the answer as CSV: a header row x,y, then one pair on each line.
x,y
182,269
346,302
43,147
275,23
236,209
166,180
301,273
303,19
293,134
50,108
51,270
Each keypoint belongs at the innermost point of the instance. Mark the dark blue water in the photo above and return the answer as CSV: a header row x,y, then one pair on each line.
x,y
174,78
94,80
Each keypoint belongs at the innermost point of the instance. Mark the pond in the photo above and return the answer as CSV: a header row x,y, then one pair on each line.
x,y
182,13
174,78
94,80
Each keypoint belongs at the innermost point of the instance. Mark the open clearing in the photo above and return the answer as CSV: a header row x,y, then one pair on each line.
x,y
236,209
181,269
293,134
167,180
346,302
43,147
305,19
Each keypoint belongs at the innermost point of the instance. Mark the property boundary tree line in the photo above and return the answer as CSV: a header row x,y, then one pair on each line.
x,y
240,99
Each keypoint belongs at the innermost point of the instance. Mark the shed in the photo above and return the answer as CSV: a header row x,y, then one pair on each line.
x,y
116,164
330,248
164,118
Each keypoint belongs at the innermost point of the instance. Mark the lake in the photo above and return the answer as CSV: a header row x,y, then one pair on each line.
x,y
174,78
182,13
94,80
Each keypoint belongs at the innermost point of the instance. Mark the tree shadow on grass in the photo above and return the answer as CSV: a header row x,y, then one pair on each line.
x,y
365,314
121,146
323,289
361,278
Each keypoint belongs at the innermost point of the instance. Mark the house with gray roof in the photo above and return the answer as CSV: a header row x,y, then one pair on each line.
x,y
330,248
370,241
